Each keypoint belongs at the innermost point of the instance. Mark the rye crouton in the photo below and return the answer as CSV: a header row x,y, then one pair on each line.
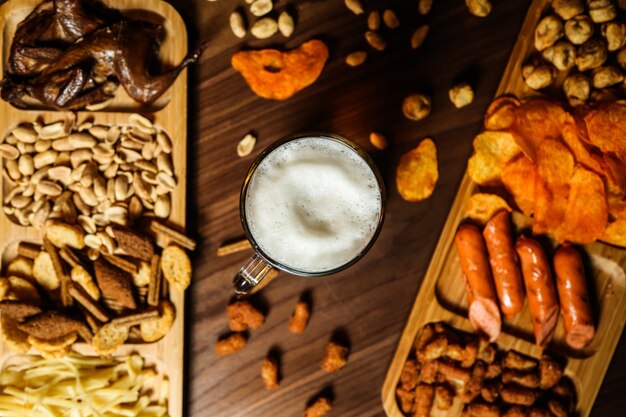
x,y
115,284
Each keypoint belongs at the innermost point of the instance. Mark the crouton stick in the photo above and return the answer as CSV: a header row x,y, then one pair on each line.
x,y
234,247
176,236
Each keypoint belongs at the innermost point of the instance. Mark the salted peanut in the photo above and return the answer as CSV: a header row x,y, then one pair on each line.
x,y
335,357
461,95
299,318
615,35
230,344
373,20
550,372
375,40
261,7
269,373
355,6
424,398
562,55
416,107
417,39
378,141
356,58
621,58
538,76
264,28
480,8
606,76
424,6
592,54
568,8
579,29
577,88
286,24
601,11
391,19
243,315
548,31
318,408
246,145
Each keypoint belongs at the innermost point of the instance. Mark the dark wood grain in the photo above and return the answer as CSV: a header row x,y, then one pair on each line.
x,y
368,303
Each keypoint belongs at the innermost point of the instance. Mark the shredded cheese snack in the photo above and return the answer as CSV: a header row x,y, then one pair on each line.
x,y
81,386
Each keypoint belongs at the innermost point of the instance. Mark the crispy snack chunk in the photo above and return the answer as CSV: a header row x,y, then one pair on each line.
x,y
417,172
23,290
15,339
299,318
519,176
406,397
80,275
20,267
318,408
18,310
50,325
424,399
155,329
133,244
63,234
242,315
230,344
44,273
607,130
492,150
269,373
335,357
501,113
410,374
50,345
481,207
108,338
115,284
279,75
550,372
5,288
142,277
176,267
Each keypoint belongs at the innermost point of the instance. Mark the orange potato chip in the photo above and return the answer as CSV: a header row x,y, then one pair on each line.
x,y
417,172
481,207
606,128
573,139
277,75
615,232
586,215
555,164
501,113
615,173
491,151
518,177
548,210
536,120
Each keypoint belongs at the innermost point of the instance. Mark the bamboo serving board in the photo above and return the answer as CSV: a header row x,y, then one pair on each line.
x,y
169,113
442,296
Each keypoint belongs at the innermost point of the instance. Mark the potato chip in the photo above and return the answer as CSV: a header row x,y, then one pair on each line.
x,y
536,120
606,128
549,209
491,151
615,173
518,177
417,172
573,139
586,215
501,113
555,164
279,75
615,233
481,207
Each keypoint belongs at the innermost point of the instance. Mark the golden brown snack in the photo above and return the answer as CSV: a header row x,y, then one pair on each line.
x,y
407,398
18,310
277,75
335,357
433,349
557,408
50,325
115,284
176,267
108,338
515,360
21,266
14,338
269,372
524,379
133,244
550,372
243,315
516,411
410,374
155,329
424,398
55,344
444,396
489,392
23,290
320,407
514,394
417,172
230,344
453,372
493,370
472,389
428,371
481,410
299,318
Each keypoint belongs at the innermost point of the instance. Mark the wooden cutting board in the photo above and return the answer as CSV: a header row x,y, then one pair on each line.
x,y
170,113
442,295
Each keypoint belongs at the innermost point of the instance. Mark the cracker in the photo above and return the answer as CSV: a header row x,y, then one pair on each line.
x,y
155,329
59,269
44,273
234,247
136,318
63,234
57,343
108,338
133,244
69,256
20,267
23,290
176,267
142,277
5,288
49,325
28,250
18,310
15,339
115,284
172,235
156,278
121,263
80,295
80,276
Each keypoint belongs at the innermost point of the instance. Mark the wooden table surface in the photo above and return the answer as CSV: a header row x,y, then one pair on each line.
x,y
368,303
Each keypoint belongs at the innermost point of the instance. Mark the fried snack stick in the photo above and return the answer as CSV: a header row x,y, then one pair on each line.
x,y
475,383
121,263
299,318
136,318
171,235
243,315
481,410
234,247
269,372
318,408
514,360
524,379
514,394
410,374
28,250
230,344
64,279
156,280
424,399
335,357
406,397
81,296
481,295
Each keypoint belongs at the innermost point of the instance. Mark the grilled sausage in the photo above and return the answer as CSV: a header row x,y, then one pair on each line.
x,y
481,295
574,298
504,263
539,288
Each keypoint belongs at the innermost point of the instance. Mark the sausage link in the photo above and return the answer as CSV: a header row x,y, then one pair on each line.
x,y
504,263
481,295
539,288
574,297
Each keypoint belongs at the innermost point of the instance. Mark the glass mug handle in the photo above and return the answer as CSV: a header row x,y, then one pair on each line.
x,y
254,275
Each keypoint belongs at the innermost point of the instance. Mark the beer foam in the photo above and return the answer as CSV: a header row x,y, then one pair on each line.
x,y
313,204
